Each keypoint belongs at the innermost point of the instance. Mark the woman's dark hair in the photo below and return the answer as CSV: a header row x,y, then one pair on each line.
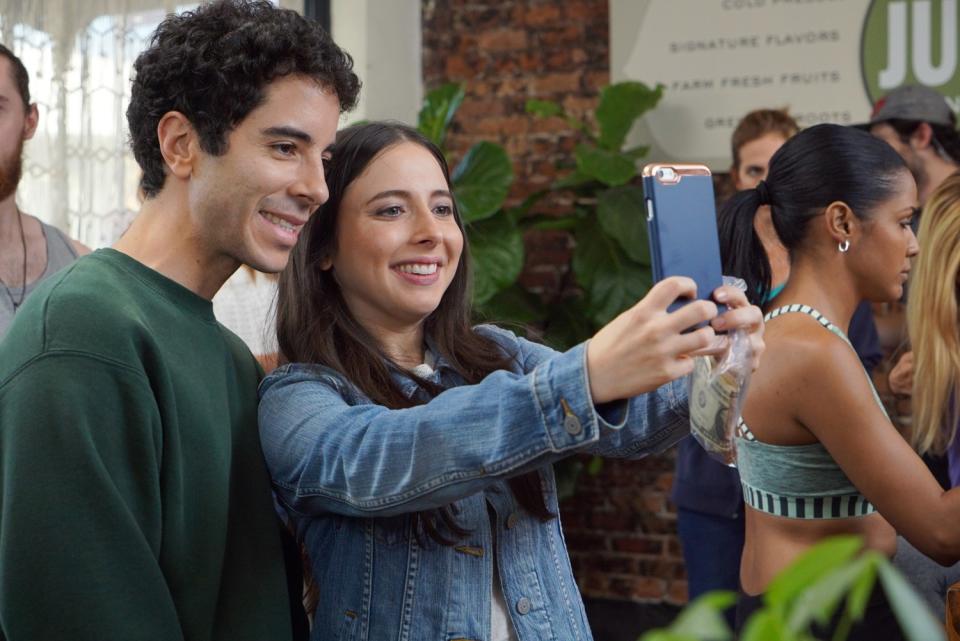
x,y
315,325
820,165
214,65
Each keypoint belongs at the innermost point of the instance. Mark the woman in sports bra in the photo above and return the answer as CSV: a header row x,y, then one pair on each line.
x,y
817,454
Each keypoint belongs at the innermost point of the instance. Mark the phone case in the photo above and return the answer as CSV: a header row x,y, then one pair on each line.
x,y
682,225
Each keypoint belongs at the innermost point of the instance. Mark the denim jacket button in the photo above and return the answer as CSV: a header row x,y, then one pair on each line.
x,y
572,424
523,605
512,520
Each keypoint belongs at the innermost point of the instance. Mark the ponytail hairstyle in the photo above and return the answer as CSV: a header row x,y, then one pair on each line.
x,y
932,317
315,325
820,165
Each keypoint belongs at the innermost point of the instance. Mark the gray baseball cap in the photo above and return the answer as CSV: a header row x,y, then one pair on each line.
x,y
912,102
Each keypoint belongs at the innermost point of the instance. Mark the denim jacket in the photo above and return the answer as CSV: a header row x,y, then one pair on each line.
x,y
350,474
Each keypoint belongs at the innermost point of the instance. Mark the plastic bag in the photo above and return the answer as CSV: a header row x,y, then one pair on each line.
x,y
717,390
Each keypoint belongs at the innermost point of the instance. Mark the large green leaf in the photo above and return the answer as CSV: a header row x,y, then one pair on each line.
x,y
549,222
521,211
482,180
636,153
667,635
819,600
574,179
703,619
612,281
766,626
567,323
621,214
544,108
439,107
809,567
859,595
912,613
620,105
496,246
512,305
609,167
551,109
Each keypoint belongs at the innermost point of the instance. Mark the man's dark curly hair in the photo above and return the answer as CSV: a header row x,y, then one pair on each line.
x,y
214,65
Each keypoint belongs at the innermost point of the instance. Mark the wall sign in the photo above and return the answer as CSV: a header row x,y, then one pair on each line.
x,y
827,60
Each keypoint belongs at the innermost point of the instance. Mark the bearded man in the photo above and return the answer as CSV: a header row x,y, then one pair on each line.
x,y
30,250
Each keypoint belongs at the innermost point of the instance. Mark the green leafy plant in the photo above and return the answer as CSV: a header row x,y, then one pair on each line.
x,y
833,578
611,259
481,182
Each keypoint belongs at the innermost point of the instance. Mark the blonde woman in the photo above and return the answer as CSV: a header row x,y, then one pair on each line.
x,y
934,325
932,315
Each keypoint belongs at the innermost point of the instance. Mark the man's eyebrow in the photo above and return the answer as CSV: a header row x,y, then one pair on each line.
x,y
287,132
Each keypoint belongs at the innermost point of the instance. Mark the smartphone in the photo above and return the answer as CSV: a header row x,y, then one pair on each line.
x,y
682,226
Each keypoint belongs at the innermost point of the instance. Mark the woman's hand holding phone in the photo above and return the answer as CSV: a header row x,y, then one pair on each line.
x,y
646,346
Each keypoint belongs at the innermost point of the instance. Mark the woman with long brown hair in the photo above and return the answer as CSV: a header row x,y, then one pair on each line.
x,y
411,450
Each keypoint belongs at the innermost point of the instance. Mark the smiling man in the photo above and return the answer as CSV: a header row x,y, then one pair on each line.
x,y
135,502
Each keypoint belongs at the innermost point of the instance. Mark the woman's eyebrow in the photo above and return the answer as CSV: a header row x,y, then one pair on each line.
x,y
395,193
402,193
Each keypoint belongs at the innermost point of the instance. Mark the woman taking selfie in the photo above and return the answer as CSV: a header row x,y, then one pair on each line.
x,y
412,451
816,452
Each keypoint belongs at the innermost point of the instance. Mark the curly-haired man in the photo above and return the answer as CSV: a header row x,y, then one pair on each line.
x,y
134,502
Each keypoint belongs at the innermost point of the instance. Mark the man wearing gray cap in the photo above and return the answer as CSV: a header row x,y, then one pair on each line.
x,y
918,123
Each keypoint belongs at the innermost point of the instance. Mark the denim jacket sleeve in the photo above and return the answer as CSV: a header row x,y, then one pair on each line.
x,y
327,454
646,424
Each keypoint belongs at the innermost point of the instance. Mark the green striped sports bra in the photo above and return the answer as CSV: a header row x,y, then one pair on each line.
x,y
798,481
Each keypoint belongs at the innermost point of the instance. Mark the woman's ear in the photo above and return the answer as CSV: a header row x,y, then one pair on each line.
x,y
326,263
842,224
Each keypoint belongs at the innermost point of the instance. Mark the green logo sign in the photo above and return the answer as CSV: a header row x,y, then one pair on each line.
x,y
911,42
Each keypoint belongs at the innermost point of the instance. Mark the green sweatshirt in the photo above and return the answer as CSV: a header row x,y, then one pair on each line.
x,y
134,500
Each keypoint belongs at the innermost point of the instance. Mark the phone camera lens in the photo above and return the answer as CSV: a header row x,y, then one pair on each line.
x,y
666,174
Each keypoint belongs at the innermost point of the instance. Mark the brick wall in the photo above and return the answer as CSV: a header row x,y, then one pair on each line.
x,y
619,527
621,531
508,51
